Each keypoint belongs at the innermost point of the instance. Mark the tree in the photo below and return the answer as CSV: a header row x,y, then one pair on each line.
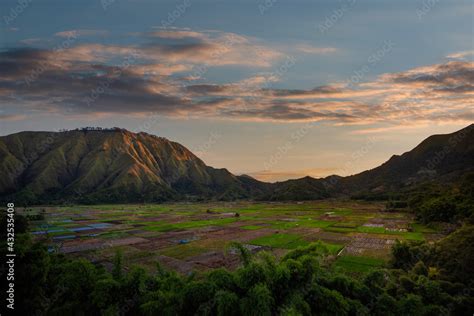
x,y
118,265
197,296
226,303
257,302
411,305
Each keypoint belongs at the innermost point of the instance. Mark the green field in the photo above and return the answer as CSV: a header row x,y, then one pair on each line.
x,y
285,241
357,264
196,235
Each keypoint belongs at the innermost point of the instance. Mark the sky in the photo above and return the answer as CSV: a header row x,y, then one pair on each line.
x,y
271,88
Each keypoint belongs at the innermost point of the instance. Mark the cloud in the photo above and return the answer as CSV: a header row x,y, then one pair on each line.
x,y
308,49
398,128
441,92
288,112
12,117
81,32
442,77
84,88
206,89
160,75
321,91
184,48
461,55
15,63
177,34
209,48
159,69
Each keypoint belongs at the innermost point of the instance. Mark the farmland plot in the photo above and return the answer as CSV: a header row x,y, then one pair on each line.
x,y
188,237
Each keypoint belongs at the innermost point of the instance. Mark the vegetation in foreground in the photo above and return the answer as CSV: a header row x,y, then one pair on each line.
x,y
422,280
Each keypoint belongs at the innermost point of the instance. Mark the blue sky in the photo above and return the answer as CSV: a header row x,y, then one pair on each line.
x,y
290,87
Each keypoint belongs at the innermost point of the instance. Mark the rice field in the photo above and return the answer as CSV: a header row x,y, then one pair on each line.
x,y
195,237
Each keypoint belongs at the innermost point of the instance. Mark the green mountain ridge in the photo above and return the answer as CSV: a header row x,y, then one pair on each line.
x,y
106,165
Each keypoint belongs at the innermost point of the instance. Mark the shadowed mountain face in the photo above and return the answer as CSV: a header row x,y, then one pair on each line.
x,y
439,157
121,166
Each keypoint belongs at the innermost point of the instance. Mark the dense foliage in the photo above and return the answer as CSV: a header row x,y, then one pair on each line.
x,y
420,281
444,202
431,201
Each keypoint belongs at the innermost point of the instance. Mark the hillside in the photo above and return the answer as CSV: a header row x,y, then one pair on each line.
x,y
439,157
107,165
306,188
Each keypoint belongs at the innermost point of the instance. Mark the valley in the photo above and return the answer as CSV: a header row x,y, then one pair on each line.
x,y
136,224
187,237
227,158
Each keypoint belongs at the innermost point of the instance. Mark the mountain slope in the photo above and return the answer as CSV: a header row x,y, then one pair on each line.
x,y
306,188
108,165
439,157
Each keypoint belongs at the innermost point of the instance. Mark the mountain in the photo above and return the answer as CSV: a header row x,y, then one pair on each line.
x,y
108,165
439,157
306,188
115,165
